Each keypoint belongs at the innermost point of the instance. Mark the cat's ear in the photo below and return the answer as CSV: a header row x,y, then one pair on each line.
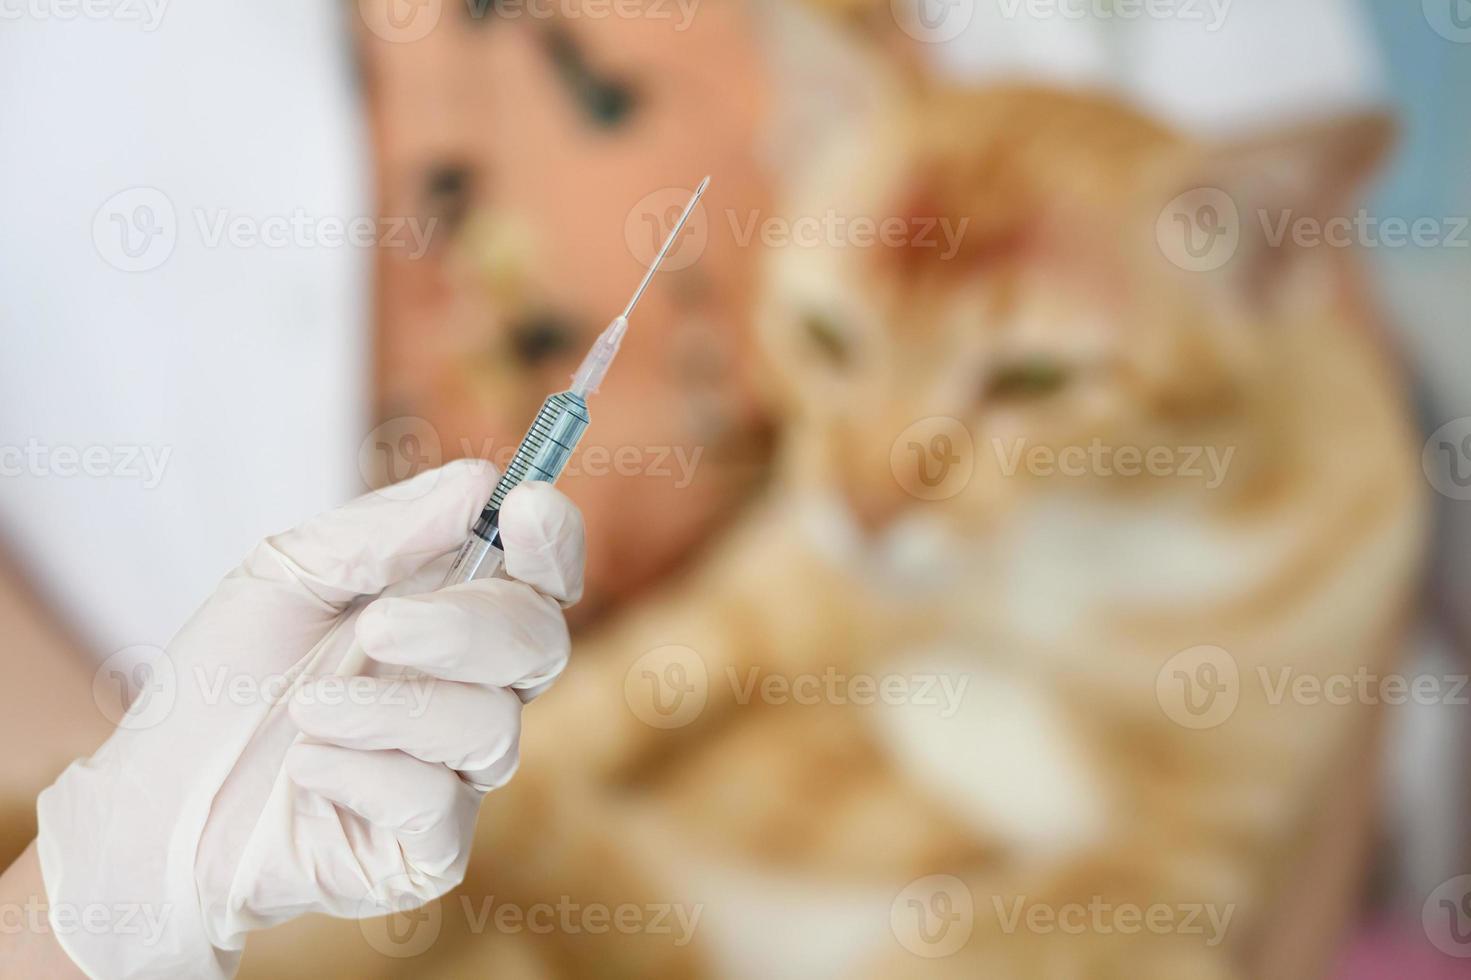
x,y
1318,168
831,78
1252,208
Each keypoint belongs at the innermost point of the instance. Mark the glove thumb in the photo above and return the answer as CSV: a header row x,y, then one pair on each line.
x,y
364,546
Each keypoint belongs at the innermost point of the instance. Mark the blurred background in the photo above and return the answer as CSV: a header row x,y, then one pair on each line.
x,y
265,257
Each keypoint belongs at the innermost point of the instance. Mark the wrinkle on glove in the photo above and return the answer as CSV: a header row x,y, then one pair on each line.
x,y
353,796
362,548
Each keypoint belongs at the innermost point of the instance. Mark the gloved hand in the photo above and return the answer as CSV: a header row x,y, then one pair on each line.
x,y
189,818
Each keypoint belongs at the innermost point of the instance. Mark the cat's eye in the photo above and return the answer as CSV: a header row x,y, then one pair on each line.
x,y
606,102
540,337
824,334
448,190
1025,379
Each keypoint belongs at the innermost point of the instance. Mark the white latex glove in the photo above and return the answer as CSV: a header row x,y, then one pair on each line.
x,y
188,818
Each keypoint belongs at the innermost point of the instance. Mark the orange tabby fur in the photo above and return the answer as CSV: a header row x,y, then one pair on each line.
x,y
1061,779
1069,595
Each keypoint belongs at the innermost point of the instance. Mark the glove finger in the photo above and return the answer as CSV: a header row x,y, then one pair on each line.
x,y
427,808
543,537
492,631
378,539
470,728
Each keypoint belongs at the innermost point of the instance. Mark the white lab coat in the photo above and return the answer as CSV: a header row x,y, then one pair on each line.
x,y
246,366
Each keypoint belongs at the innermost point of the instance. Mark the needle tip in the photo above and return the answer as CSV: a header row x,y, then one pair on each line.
x,y
668,244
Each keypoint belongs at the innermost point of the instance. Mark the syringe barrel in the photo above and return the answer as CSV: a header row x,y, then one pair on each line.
x,y
543,452
542,455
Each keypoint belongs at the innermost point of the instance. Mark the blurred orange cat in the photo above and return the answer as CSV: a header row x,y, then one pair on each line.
x,y
1246,504
1059,494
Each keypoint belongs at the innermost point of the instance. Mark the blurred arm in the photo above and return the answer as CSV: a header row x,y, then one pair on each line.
x,y
47,713
28,947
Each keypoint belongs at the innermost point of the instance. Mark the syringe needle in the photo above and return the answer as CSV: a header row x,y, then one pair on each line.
x,y
555,431
668,244
600,356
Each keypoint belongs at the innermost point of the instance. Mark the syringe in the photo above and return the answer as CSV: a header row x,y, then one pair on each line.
x,y
555,431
